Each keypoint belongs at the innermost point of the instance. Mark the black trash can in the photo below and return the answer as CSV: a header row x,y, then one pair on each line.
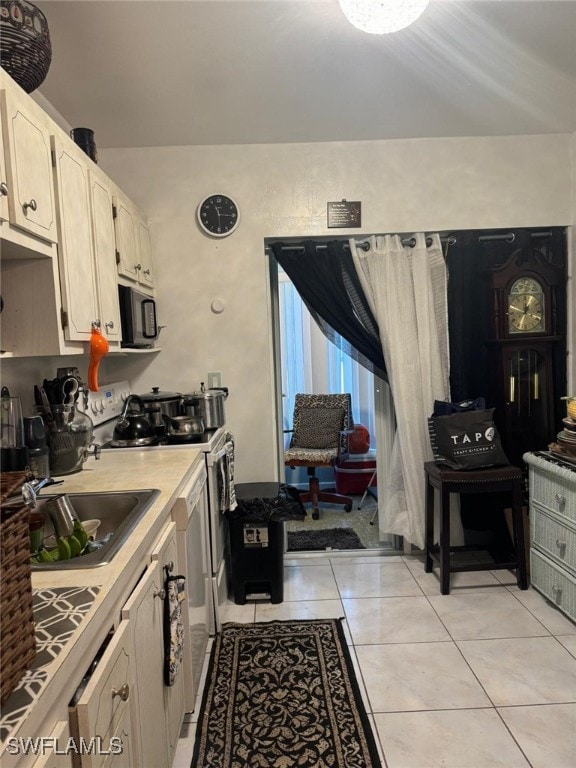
x,y
256,531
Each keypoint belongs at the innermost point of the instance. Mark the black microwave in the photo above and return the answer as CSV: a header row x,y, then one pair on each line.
x,y
138,318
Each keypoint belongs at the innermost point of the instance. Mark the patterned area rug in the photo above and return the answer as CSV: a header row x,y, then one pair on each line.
x,y
325,538
283,694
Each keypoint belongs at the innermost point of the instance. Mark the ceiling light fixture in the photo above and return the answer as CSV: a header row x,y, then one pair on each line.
x,y
380,17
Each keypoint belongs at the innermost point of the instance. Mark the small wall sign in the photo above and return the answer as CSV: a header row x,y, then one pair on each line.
x,y
344,214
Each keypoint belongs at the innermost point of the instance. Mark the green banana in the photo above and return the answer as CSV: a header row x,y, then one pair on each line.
x,y
44,556
80,534
75,547
64,550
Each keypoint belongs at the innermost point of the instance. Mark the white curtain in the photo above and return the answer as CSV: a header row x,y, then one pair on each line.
x,y
312,364
406,287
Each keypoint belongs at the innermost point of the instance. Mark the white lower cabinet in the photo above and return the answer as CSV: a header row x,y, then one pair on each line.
x,y
57,752
101,718
159,710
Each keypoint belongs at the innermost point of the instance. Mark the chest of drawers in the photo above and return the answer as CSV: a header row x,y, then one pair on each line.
x,y
553,532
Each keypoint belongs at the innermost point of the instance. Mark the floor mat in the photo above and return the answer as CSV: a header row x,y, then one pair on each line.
x,y
325,538
283,693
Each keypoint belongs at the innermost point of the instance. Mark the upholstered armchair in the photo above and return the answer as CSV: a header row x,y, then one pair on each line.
x,y
319,436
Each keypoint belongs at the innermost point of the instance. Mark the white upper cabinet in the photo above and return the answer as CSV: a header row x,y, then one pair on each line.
x,y
133,244
76,252
27,157
105,255
3,181
87,247
146,273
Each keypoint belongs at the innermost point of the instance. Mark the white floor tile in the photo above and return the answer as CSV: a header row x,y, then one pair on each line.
x,y
569,642
185,746
552,618
546,734
307,609
374,579
466,738
529,670
296,561
485,615
475,581
416,676
313,582
359,680
393,620
241,614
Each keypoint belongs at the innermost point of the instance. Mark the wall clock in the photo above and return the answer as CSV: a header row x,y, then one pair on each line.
x,y
218,215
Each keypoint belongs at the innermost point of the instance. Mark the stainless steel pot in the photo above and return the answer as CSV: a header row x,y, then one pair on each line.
x,y
157,404
183,427
208,404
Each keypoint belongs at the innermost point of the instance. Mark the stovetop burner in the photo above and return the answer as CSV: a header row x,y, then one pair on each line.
x,y
160,441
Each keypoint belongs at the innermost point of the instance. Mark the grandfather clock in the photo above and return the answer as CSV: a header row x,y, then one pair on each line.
x,y
528,335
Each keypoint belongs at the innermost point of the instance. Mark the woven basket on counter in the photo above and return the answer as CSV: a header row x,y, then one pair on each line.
x,y
16,617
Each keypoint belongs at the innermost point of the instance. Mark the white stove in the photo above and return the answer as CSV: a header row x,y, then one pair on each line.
x,y
104,408
217,445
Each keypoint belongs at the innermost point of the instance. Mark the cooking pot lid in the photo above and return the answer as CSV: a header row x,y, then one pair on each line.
x,y
208,394
160,397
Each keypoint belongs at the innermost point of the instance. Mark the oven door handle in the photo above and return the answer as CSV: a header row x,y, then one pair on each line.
x,y
214,458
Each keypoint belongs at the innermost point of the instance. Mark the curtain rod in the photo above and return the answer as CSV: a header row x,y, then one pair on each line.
x,y
365,245
509,237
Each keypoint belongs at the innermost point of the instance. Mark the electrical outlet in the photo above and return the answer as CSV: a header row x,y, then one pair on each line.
x,y
214,379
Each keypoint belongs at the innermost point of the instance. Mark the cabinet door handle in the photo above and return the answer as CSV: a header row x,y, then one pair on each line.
x,y
560,499
33,205
123,692
109,326
137,266
557,592
3,189
146,271
161,593
561,546
169,566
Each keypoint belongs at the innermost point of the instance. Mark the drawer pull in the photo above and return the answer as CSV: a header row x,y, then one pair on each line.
x,y
123,692
161,593
557,592
33,205
561,546
3,189
561,500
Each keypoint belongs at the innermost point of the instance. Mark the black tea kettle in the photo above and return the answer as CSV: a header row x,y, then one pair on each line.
x,y
133,428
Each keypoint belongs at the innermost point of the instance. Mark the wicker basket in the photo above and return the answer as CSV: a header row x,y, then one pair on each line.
x,y
16,617
25,48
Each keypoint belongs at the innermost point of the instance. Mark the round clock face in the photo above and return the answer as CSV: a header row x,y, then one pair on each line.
x,y
218,215
526,306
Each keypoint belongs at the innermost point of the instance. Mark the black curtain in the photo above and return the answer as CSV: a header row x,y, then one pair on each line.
x,y
325,277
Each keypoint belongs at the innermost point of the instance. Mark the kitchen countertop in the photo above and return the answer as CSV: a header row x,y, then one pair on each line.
x,y
168,471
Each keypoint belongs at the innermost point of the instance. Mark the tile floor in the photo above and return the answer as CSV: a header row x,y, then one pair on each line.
x,y
482,678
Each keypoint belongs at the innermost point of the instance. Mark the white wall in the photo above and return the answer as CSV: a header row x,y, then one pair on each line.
x,y
282,190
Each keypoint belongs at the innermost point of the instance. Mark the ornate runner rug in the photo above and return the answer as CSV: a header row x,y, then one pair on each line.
x,y
324,538
283,694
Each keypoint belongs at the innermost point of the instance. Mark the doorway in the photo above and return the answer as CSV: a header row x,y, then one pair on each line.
x,y
306,361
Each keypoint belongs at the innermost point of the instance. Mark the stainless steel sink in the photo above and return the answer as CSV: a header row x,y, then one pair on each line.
x,y
118,512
